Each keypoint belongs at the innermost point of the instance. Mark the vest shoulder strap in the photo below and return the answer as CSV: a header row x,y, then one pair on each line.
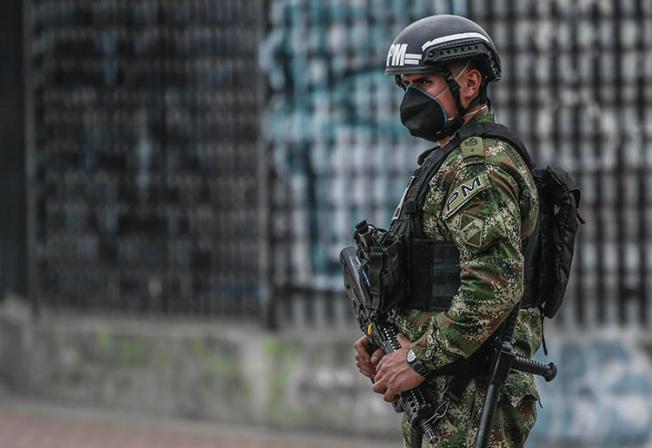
x,y
429,162
501,132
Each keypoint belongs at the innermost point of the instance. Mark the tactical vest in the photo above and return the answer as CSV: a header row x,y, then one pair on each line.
x,y
430,270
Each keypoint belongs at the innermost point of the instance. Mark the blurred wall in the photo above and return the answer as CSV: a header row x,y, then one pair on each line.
x,y
214,371
296,380
145,185
13,236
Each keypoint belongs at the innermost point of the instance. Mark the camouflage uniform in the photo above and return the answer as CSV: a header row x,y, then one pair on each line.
x,y
488,225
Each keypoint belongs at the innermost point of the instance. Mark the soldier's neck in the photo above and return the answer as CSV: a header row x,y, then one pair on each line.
x,y
475,110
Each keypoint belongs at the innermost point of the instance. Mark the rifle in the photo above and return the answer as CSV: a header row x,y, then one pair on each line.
x,y
422,413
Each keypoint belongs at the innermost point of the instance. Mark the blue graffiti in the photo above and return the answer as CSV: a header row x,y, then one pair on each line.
x,y
601,397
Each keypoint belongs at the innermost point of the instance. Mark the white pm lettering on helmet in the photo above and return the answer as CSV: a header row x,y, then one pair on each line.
x,y
398,56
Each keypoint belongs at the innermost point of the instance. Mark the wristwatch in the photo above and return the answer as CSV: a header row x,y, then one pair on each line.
x,y
417,365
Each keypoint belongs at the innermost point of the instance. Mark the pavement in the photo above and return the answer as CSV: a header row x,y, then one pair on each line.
x,y
36,424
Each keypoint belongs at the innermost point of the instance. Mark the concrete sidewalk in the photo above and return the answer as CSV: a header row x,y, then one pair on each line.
x,y
31,424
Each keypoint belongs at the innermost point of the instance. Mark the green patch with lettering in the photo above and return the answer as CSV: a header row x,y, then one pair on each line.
x,y
472,147
464,192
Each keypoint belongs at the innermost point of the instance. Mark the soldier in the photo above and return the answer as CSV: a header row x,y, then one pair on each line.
x,y
482,198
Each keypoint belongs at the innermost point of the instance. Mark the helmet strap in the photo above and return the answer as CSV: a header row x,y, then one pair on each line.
x,y
455,87
457,121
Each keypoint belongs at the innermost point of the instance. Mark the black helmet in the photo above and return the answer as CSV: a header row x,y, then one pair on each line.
x,y
429,43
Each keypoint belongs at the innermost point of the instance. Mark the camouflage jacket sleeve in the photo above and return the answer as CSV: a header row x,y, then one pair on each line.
x,y
481,213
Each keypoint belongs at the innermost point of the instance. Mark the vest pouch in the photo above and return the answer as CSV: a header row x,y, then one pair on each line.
x,y
386,273
434,274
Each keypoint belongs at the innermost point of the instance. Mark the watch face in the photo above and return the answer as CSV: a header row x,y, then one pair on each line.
x,y
411,357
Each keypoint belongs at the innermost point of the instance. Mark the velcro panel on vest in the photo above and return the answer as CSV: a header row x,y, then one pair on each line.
x,y
434,274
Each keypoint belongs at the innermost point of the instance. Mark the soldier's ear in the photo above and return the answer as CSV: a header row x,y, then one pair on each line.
x,y
472,84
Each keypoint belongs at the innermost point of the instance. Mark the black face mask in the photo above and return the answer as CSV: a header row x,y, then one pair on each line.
x,y
425,117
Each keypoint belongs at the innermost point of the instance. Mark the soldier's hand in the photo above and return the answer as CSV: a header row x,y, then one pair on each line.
x,y
394,375
366,364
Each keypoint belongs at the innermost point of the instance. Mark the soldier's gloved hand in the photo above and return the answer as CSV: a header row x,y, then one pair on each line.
x,y
394,375
366,364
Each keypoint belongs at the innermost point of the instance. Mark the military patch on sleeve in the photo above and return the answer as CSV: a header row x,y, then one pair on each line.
x,y
472,147
471,230
464,192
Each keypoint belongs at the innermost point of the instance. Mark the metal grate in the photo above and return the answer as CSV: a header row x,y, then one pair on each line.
x,y
145,118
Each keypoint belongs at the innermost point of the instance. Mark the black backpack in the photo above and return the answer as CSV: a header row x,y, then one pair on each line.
x,y
550,263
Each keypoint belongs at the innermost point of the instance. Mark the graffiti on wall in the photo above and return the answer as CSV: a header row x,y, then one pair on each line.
x,y
601,396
